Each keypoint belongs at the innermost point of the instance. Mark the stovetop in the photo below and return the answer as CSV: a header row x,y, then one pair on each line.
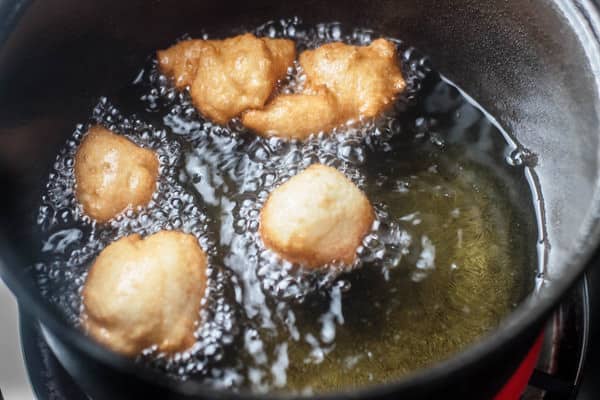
x,y
590,385
571,374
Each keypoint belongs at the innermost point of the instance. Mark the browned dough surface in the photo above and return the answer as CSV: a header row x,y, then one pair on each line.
x,y
317,217
113,173
145,292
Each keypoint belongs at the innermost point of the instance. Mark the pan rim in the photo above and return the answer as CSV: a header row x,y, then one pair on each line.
x,y
528,315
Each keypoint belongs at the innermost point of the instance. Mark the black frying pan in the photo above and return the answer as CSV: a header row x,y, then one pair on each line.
x,y
533,64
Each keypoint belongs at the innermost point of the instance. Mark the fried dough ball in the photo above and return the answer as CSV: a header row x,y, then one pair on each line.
x,y
365,79
295,116
317,217
228,76
344,83
112,173
145,292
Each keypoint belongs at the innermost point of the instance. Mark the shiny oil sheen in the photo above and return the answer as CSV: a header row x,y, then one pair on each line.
x,y
452,252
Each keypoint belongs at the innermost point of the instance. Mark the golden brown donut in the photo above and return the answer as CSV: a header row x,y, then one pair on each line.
x,y
317,217
145,292
365,79
227,77
112,173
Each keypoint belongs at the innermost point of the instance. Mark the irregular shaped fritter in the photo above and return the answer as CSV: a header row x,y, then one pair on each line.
x,y
365,79
344,83
317,217
113,173
145,292
227,77
295,115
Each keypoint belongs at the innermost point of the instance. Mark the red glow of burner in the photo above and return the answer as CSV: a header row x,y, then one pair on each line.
x,y
516,385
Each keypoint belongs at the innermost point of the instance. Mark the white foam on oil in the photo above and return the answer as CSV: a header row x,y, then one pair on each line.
x,y
280,365
333,316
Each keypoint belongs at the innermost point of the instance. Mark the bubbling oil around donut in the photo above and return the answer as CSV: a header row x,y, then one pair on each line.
x,y
74,240
445,261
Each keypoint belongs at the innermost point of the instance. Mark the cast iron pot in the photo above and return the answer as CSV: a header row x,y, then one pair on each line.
x,y
533,64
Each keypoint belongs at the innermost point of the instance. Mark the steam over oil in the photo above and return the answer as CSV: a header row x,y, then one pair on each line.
x,y
451,252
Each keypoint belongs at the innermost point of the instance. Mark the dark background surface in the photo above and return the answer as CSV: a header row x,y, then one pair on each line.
x,y
590,387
